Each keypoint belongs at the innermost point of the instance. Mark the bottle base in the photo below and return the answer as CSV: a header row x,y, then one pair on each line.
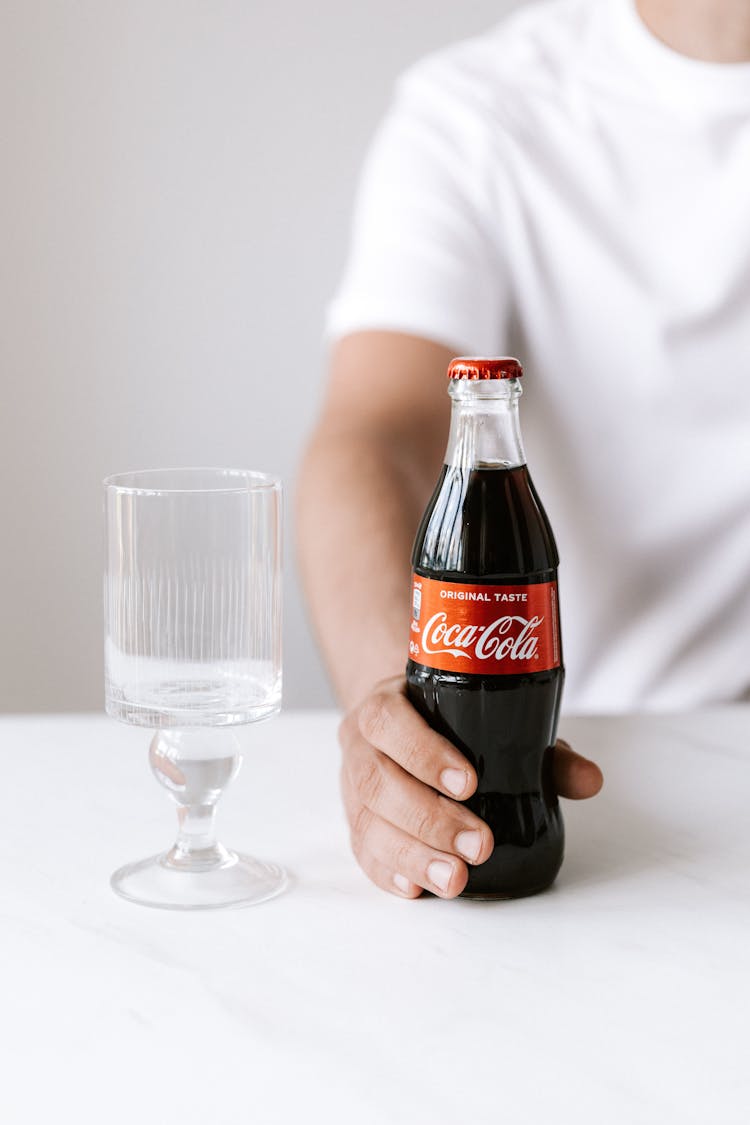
x,y
505,896
518,872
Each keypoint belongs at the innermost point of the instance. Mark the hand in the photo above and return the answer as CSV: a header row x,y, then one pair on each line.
x,y
401,783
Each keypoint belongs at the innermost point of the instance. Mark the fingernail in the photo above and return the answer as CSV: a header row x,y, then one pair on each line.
x,y
469,843
455,781
439,873
402,883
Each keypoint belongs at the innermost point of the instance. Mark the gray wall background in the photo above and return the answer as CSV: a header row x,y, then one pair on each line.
x,y
176,180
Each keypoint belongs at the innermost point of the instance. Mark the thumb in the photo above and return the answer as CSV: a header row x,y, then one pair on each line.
x,y
574,776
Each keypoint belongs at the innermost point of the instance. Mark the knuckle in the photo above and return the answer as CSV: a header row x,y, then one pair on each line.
x,y
412,755
351,761
347,787
424,823
359,822
403,856
369,781
347,730
373,716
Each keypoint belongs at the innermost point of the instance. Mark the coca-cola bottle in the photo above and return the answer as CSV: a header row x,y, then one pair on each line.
x,y
485,661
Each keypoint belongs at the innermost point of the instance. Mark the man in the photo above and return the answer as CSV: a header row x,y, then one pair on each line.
x,y
572,187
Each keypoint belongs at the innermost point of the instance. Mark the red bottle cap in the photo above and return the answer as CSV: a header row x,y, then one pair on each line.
x,y
465,367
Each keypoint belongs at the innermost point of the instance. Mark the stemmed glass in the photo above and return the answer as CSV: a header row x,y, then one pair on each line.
x,y
192,606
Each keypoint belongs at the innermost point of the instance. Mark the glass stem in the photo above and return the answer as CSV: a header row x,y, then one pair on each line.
x,y
195,766
197,828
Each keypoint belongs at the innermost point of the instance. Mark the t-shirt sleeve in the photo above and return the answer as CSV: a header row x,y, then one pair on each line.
x,y
423,255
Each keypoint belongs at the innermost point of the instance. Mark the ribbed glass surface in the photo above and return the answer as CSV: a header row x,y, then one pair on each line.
x,y
192,596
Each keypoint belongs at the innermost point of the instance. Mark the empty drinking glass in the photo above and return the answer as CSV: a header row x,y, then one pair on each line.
x,y
192,607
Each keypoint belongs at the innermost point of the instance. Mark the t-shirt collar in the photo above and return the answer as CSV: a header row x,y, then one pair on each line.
x,y
679,79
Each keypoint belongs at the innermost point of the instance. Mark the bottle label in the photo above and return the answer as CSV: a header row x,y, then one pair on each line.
x,y
486,630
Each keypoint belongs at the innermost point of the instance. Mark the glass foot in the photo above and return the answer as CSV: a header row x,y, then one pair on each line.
x,y
237,881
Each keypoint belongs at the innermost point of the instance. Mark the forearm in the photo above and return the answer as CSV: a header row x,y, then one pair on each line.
x,y
360,498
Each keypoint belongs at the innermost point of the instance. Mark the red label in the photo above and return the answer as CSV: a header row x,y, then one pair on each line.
x,y
489,630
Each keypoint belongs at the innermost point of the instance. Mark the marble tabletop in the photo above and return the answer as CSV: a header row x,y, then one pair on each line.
x,y
620,996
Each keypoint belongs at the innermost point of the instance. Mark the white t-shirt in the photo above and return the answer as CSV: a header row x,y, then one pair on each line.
x,y
568,189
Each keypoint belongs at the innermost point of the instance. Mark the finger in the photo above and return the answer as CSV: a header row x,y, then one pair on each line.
x,y
394,851
575,777
391,881
386,789
388,722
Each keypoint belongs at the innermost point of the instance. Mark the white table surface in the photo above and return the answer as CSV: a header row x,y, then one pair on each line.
x,y
621,996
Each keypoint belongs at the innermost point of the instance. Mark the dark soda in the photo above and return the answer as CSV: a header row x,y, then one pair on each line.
x,y
485,599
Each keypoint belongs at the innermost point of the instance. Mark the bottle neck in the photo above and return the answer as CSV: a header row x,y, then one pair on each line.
x,y
485,429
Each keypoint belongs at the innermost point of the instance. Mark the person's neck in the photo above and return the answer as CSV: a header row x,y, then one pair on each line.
x,y
710,30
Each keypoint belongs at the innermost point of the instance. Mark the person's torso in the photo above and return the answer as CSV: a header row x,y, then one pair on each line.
x,y
614,190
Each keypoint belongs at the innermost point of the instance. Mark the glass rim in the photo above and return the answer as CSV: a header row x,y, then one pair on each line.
x,y
137,483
